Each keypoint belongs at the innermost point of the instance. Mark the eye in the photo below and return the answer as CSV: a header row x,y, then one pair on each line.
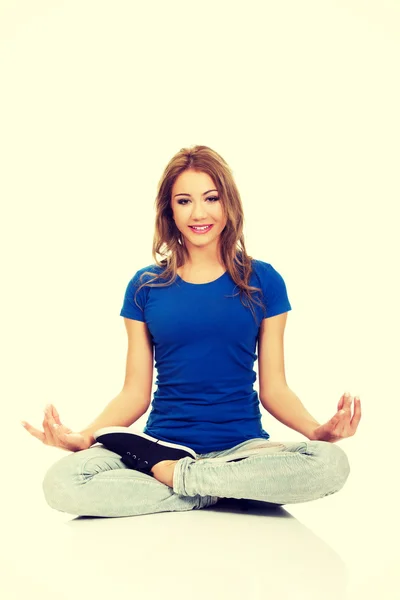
x,y
213,198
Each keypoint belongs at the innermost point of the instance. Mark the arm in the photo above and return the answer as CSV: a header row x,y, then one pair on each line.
x,y
285,406
134,399
275,395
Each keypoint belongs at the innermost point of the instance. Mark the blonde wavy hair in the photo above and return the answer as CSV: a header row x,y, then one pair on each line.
x,y
168,241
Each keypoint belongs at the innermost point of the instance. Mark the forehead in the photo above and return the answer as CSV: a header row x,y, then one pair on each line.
x,y
193,180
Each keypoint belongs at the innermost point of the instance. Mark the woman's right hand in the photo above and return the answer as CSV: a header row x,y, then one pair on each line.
x,y
56,434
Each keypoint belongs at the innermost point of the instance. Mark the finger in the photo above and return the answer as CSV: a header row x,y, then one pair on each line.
x,y
338,427
56,429
33,431
343,422
50,439
347,405
331,426
339,416
357,414
49,415
340,403
342,425
56,416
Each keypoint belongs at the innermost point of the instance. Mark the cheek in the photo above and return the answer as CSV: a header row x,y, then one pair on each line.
x,y
223,219
219,213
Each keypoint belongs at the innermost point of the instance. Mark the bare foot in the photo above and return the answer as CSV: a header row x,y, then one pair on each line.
x,y
164,471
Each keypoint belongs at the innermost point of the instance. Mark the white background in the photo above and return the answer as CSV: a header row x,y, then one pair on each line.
x,y
302,100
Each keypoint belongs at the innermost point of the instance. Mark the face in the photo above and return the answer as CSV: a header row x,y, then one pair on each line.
x,y
195,201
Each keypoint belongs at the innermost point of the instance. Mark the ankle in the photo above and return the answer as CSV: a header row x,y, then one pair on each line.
x,y
164,471
160,465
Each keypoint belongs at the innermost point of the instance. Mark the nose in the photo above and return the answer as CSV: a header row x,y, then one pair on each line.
x,y
199,212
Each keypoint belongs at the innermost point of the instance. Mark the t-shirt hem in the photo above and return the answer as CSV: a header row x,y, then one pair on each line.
x,y
129,316
279,311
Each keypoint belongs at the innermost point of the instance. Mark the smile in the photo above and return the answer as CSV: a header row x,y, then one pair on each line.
x,y
201,229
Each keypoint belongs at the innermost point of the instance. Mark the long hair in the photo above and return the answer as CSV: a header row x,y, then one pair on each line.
x,y
168,241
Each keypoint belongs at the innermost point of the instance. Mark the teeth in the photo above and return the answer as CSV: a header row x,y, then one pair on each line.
x,y
201,228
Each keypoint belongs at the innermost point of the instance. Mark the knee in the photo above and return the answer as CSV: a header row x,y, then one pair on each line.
x,y
337,463
58,482
64,484
334,464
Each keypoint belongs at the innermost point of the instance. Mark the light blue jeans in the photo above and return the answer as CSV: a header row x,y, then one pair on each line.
x,y
94,482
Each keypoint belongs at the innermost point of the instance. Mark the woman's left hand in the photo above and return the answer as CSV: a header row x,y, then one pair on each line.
x,y
342,425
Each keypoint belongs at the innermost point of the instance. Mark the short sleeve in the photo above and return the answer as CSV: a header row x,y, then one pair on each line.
x,y
277,300
129,308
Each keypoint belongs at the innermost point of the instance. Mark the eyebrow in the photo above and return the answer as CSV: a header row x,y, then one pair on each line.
x,y
189,194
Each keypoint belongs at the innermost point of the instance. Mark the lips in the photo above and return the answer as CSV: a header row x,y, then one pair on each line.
x,y
200,231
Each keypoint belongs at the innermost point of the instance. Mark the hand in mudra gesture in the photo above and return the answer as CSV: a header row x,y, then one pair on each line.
x,y
56,434
342,424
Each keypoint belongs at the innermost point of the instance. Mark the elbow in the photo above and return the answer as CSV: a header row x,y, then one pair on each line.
x,y
268,398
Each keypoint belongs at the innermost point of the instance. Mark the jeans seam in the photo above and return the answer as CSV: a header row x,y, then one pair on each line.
x,y
253,456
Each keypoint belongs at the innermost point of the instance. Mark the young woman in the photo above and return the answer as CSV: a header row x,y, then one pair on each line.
x,y
202,310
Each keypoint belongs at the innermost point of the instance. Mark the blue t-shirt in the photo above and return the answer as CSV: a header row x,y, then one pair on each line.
x,y
205,349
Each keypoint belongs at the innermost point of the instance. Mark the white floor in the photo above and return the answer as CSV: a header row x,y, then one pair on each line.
x,y
342,546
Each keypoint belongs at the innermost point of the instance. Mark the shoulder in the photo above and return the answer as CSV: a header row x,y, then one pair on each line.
x,y
273,286
266,271
145,274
